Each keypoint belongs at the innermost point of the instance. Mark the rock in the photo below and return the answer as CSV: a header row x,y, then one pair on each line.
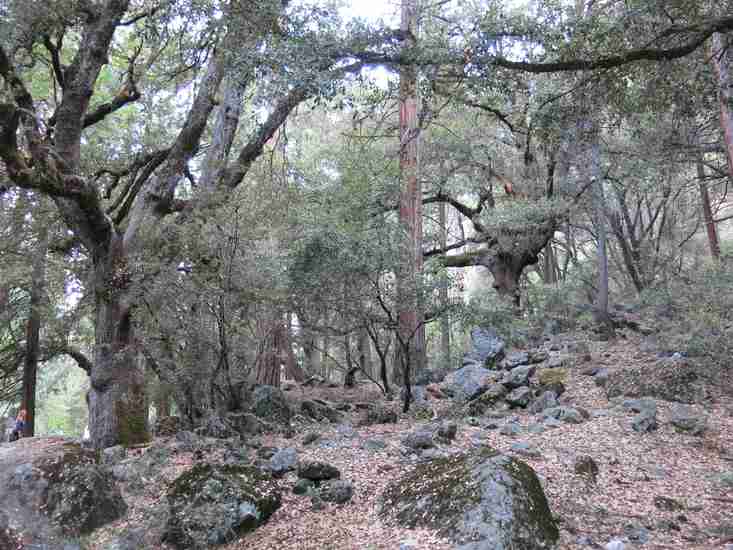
x,y
311,437
303,486
640,405
587,467
645,421
510,428
378,415
447,431
130,539
408,544
546,400
486,400
601,378
668,379
615,544
726,478
212,504
167,426
374,444
319,410
525,448
667,504
516,359
535,429
590,371
427,377
112,455
538,356
636,534
468,382
550,378
519,397
490,499
422,439
338,492
518,377
563,414
246,424
551,423
555,362
314,380
269,403
216,427
283,461
317,471
487,348
685,419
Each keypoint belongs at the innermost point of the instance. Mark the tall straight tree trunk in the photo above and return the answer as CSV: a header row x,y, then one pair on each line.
x,y
411,317
721,59
601,306
707,212
33,331
365,352
445,317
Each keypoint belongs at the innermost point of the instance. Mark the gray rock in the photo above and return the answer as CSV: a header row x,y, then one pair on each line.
x,y
538,356
510,428
378,414
546,400
468,382
555,362
615,544
645,421
551,423
685,419
112,455
525,448
247,424
600,413
422,439
640,405
591,371
726,478
374,444
317,471
447,431
637,534
226,502
518,376
338,492
130,539
488,399
601,377
311,437
492,500
516,359
668,379
303,486
519,397
167,426
563,414
667,504
487,347
270,404
536,429
319,410
283,461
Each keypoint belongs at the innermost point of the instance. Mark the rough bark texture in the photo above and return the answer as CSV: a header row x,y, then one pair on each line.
x,y
721,58
410,315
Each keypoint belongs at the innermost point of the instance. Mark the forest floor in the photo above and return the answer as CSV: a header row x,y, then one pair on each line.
x,y
634,470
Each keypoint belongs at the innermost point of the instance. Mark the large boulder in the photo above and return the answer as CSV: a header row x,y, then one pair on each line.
x,y
673,379
53,489
478,500
269,403
468,382
319,410
211,504
487,348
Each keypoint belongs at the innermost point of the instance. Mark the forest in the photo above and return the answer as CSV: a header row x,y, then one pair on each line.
x,y
427,212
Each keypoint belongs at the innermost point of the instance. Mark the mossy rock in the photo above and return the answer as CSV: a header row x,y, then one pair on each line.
x,y
214,504
552,377
81,495
478,500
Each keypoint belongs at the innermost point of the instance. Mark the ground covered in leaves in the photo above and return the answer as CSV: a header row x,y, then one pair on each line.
x,y
657,490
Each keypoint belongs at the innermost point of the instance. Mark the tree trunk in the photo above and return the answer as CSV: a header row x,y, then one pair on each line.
x,y
293,369
445,316
411,325
365,353
721,58
117,400
707,212
33,330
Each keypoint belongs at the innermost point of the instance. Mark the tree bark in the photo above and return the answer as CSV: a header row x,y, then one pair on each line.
x,y
410,317
721,59
33,330
707,212
443,291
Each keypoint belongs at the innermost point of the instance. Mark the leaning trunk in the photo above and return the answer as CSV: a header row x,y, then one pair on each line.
x,y
117,400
